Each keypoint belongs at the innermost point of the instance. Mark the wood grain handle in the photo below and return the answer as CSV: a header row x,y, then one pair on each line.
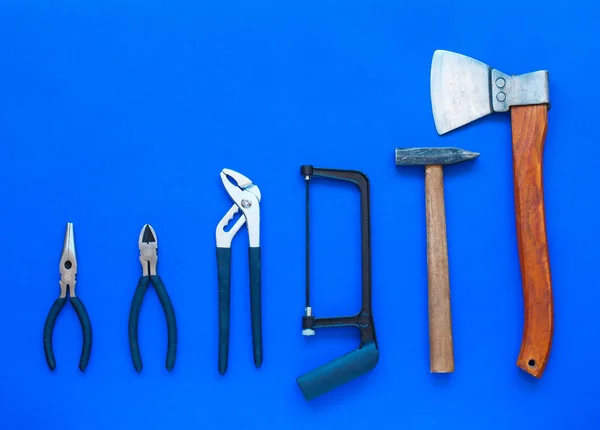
x,y
441,351
529,125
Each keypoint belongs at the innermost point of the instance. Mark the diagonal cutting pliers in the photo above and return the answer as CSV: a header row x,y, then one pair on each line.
x,y
68,275
149,257
246,197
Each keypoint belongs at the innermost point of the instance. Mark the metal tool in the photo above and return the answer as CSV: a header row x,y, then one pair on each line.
x,y
68,275
148,245
463,90
246,198
441,350
363,359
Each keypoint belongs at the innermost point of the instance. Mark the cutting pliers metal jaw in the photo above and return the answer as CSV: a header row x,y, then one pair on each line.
x,y
246,197
68,275
148,245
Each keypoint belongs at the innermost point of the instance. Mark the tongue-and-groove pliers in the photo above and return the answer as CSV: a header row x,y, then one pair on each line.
x,y
246,197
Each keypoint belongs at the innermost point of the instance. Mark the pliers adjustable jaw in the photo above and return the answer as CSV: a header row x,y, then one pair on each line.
x,y
148,251
246,197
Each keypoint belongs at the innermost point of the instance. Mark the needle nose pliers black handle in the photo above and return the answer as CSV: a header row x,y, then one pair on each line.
x,y
68,274
148,257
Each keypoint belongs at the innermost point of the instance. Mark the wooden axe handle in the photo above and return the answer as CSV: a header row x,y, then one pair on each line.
x,y
441,352
529,125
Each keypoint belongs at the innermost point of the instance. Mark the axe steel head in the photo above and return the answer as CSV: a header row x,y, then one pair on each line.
x,y
464,89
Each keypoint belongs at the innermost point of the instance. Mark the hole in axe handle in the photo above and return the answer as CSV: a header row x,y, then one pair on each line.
x,y
531,363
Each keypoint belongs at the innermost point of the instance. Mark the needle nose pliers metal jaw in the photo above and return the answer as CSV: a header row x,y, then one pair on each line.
x,y
148,245
246,197
68,274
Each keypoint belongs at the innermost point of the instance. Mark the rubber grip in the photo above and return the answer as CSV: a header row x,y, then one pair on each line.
x,y
167,306
224,274
134,317
49,329
86,329
255,304
339,371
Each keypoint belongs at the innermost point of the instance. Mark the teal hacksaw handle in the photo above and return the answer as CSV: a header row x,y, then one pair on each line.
x,y
49,329
339,371
167,306
224,274
255,304
86,329
134,318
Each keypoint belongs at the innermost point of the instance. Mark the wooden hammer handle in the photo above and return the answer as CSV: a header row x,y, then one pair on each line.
x,y
529,125
441,352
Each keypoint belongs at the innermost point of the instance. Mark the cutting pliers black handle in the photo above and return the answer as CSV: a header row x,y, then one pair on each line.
x,y
134,316
86,328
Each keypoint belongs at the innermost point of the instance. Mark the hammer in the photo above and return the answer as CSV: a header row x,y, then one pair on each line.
x,y
441,351
463,90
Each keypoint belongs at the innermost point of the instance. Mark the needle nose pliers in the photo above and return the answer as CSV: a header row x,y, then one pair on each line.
x,y
149,257
246,197
68,274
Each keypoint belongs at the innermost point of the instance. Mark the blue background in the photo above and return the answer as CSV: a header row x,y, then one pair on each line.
x,y
118,113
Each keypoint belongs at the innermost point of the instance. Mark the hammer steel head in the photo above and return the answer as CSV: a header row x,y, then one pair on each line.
x,y
432,156
464,89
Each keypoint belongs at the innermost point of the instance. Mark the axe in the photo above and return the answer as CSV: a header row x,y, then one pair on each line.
x,y
463,90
